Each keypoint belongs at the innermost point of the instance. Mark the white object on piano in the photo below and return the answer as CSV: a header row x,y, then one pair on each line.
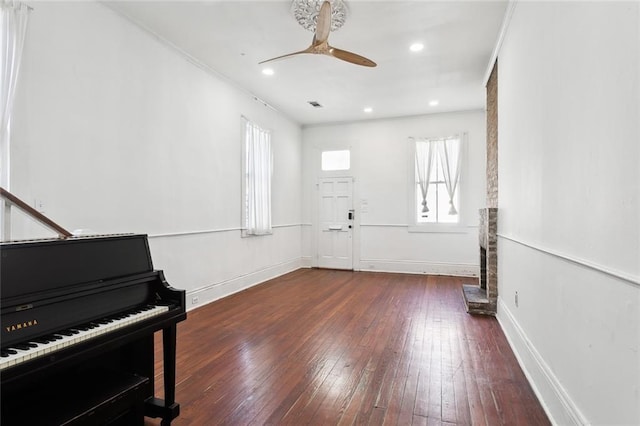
x,y
82,232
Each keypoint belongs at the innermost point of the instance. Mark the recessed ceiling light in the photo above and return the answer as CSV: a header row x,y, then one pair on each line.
x,y
434,102
368,109
268,71
416,47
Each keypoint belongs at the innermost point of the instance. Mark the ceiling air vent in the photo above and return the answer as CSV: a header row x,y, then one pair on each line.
x,y
315,104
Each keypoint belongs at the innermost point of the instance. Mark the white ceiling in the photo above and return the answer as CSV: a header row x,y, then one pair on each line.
x,y
231,37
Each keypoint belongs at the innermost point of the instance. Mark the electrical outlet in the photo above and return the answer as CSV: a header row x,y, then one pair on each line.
x,y
194,300
38,204
516,299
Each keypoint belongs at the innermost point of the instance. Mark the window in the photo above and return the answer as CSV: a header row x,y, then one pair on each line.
x,y
336,160
256,167
437,174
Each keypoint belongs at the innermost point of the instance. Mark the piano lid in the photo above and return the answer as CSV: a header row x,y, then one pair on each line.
x,y
44,265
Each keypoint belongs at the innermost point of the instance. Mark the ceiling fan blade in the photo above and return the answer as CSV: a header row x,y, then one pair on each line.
x,y
323,24
307,50
351,57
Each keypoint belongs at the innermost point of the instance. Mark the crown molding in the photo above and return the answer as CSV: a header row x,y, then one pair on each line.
x,y
503,31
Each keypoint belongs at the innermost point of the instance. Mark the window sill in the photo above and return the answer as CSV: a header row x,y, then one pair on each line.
x,y
245,234
442,228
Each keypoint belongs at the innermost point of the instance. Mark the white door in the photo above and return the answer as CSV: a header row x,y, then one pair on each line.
x,y
335,242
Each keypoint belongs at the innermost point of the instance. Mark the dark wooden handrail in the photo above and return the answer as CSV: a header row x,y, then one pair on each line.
x,y
15,201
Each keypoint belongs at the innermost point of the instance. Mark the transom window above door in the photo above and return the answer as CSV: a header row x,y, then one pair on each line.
x,y
336,160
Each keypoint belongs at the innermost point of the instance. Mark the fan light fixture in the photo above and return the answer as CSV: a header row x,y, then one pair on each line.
x,y
306,13
320,42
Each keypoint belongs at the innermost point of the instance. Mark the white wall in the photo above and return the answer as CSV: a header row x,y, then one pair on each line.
x,y
381,166
569,213
116,132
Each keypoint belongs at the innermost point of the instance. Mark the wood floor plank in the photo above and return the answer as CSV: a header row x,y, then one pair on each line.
x,y
323,347
461,393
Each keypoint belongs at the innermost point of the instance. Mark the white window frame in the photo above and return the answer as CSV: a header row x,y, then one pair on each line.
x,y
413,224
265,159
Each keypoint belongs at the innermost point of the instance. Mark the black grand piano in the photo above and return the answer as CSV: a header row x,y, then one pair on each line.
x,y
79,318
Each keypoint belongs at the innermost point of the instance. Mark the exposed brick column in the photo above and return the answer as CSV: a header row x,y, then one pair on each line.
x,y
491,258
482,297
492,187
492,138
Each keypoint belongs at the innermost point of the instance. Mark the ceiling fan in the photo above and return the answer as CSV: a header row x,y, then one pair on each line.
x,y
320,44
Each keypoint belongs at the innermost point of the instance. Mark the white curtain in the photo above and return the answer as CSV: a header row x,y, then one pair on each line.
x,y
258,179
13,28
424,160
449,153
13,18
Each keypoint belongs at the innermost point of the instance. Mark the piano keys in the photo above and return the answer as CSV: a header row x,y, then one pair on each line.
x,y
71,307
43,345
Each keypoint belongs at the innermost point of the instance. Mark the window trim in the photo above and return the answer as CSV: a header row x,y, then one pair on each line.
x,y
440,227
244,229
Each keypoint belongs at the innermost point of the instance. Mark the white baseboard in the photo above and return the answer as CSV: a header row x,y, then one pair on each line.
x,y
555,400
418,267
225,288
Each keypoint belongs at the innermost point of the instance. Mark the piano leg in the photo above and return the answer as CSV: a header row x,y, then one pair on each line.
x,y
167,409
169,352
169,336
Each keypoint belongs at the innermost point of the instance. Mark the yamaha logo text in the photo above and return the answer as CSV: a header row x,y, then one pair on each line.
x,y
21,325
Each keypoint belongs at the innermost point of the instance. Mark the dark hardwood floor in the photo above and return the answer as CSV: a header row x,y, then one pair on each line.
x,y
329,347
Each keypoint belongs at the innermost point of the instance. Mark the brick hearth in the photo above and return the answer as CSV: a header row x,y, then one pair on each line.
x,y
482,297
